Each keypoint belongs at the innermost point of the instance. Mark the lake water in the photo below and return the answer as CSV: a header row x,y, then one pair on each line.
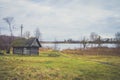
x,y
73,46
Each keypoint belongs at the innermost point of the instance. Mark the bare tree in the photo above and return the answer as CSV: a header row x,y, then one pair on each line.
x,y
84,42
0,30
99,41
93,37
55,45
117,38
38,34
27,34
9,21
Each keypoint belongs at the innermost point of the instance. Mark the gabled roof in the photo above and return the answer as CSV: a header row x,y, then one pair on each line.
x,y
22,42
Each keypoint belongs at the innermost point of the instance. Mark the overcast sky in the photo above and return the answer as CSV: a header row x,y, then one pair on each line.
x,y
62,19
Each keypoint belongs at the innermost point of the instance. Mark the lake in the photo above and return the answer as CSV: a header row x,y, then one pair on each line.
x,y
73,46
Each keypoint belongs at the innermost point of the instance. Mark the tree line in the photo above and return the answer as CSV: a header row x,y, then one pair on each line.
x,y
93,39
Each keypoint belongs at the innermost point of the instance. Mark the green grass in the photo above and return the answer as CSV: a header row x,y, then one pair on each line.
x,y
63,67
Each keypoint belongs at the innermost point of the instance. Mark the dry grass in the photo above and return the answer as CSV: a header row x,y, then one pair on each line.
x,y
63,67
93,51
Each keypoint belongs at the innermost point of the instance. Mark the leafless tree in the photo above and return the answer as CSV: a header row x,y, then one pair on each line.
x,y
99,42
27,34
4,42
93,37
84,42
117,38
38,34
0,30
9,21
55,45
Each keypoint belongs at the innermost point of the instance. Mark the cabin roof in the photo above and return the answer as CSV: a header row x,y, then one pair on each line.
x,y
22,42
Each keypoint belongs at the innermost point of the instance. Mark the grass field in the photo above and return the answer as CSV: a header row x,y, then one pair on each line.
x,y
63,67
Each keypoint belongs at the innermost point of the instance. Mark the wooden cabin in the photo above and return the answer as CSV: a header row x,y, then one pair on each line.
x,y
26,46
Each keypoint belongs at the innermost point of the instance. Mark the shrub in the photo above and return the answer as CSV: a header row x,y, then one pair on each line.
x,y
1,53
54,54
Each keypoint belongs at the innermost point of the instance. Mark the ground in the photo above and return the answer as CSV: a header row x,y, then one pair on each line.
x,y
60,67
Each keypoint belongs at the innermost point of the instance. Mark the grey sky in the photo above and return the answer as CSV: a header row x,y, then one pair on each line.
x,y
63,19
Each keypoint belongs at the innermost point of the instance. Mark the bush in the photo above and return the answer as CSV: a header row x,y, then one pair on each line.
x,y
1,53
54,54
50,54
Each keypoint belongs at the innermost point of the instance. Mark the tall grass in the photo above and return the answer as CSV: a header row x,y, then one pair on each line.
x,y
63,67
93,51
